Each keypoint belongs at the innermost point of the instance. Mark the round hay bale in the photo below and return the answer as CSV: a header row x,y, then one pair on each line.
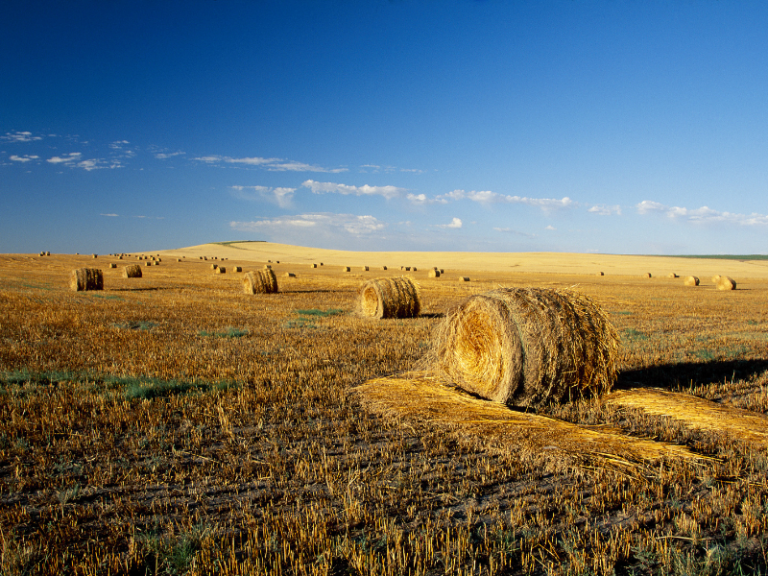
x,y
601,273
214,266
178,259
94,256
290,275
347,269
647,275
237,269
691,281
527,347
383,267
277,261
267,266
260,282
132,271
119,257
389,298
672,275
365,268
148,263
47,253
726,283
221,270
463,278
112,265
415,269
86,279
434,273
716,278
313,265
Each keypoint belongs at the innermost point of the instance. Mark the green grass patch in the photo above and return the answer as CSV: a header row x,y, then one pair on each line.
x,y
632,335
314,312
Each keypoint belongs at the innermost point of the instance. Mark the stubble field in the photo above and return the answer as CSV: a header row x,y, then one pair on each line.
x,y
174,425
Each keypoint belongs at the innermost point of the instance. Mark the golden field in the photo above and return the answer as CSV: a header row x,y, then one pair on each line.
x,y
172,424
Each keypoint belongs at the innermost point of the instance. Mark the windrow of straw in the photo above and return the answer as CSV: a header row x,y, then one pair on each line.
x,y
389,298
86,279
132,271
418,397
696,413
526,347
260,282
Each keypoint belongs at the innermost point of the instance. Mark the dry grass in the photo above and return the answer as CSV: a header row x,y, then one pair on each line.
x,y
177,426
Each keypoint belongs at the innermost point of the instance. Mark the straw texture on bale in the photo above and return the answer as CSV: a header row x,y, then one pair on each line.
x,y
132,271
260,282
390,298
691,281
86,279
434,273
527,347
726,283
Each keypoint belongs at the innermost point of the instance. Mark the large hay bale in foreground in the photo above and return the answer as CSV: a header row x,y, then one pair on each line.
x,y
527,347
691,281
260,282
390,298
726,283
132,271
86,279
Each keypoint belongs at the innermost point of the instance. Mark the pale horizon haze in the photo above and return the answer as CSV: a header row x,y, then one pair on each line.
x,y
618,127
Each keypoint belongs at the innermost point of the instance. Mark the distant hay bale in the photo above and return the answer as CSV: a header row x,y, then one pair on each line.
x,y
389,298
277,261
347,269
691,281
672,275
407,268
132,271
94,256
383,267
601,273
415,269
237,269
442,271
527,347
86,279
221,270
434,273
119,257
365,269
178,259
148,263
112,265
47,253
214,266
267,266
290,275
313,265
321,263
260,282
647,275
463,278
270,261
726,283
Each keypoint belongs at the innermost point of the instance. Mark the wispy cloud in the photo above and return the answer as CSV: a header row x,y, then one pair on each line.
x,y
455,223
73,161
19,137
327,222
489,197
166,155
272,164
388,192
282,196
603,210
68,159
703,215
110,215
24,158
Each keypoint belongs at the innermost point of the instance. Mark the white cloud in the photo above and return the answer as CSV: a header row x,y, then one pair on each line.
x,y
550,227
489,197
110,215
703,215
118,145
69,158
20,137
24,158
282,196
272,164
603,210
455,223
166,155
388,192
324,223
73,160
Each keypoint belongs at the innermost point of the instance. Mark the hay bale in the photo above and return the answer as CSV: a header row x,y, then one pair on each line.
x,y
434,273
647,275
415,269
221,270
94,256
347,269
267,266
119,257
389,298
214,266
237,269
726,283
313,265
86,279
601,273
383,267
463,278
672,275
527,347
260,282
132,271
290,275
112,265
178,259
148,263
716,278
691,281
365,268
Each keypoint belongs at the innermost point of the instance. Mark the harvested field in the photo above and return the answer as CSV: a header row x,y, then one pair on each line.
x,y
206,430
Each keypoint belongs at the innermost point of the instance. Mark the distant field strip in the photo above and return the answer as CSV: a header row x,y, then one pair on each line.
x,y
419,397
696,413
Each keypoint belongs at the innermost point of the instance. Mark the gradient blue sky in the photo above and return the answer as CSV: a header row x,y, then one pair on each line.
x,y
552,125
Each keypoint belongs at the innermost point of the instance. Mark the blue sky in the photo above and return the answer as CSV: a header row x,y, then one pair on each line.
x,y
553,125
